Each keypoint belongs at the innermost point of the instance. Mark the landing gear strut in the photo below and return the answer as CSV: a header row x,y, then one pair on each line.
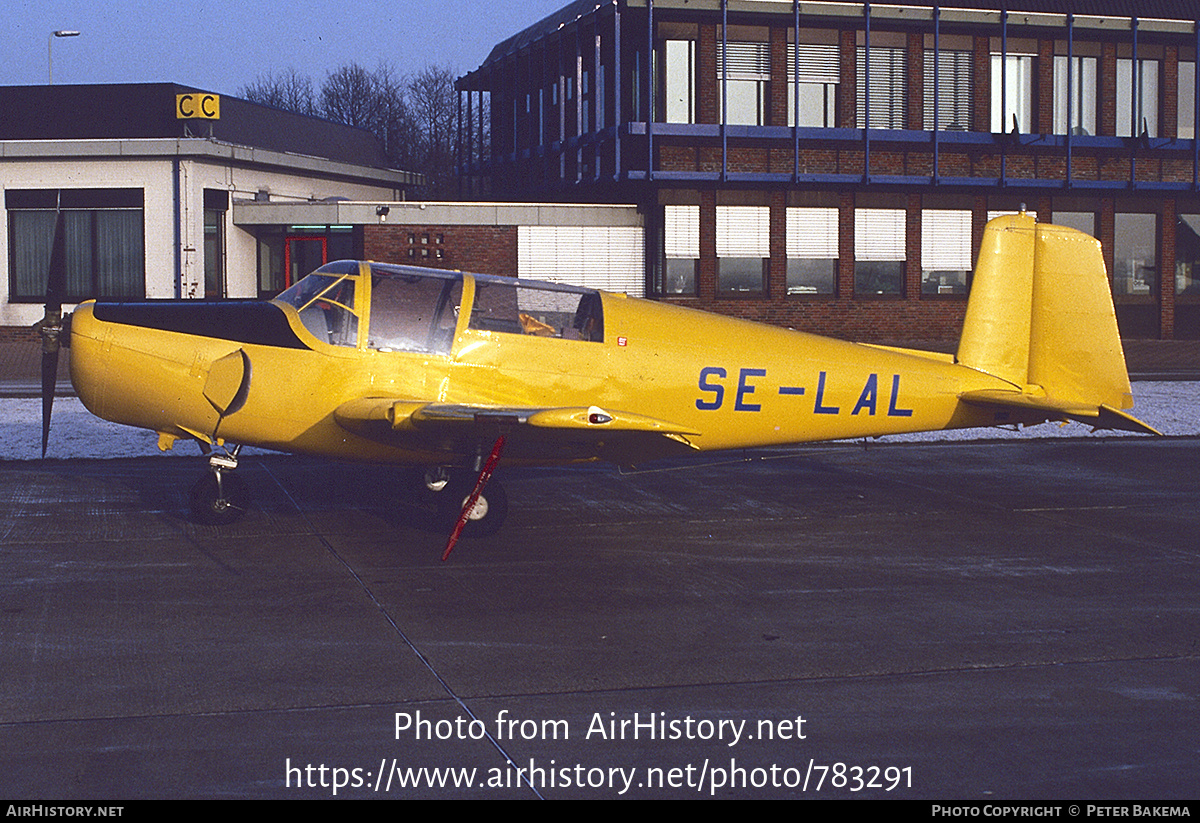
x,y
220,497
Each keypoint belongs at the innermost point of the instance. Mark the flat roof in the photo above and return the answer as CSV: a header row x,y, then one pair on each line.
x,y
358,213
204,149
132,111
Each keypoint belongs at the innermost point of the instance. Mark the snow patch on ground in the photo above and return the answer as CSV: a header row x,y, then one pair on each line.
x,y
1171,407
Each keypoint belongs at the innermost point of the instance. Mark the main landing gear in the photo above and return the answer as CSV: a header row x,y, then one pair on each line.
x,y
220,497
477,508
466,501
485,517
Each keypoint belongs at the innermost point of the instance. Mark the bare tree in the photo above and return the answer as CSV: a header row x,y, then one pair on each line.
x,y
433,102
348,96
288,90
414,118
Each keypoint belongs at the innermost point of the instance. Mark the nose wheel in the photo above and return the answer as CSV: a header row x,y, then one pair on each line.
x,y
219,496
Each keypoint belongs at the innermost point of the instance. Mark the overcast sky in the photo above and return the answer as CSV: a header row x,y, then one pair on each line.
x,y
220,46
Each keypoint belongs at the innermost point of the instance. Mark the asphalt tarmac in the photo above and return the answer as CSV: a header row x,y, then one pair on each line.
x,y
985,621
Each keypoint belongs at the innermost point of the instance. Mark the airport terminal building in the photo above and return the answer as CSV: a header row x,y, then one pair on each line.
x,y
830,166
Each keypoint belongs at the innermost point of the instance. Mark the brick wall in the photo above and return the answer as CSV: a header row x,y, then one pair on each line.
x,y
867,321
484,249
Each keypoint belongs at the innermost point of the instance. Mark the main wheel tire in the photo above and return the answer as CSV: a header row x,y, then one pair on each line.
x,y
488,514
214,510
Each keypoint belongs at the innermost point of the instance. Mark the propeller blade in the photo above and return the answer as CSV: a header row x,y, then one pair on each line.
x,y
50,326
49,378
56,277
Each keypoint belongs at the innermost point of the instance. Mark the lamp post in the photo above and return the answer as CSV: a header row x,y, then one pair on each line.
x,y
50,50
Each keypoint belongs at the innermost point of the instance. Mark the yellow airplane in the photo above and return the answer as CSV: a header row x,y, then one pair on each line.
x,y
446,370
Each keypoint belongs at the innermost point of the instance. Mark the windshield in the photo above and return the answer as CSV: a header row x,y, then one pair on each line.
x,y
325,301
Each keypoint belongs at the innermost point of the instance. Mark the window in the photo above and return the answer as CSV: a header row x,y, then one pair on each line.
x,y
1012,93
216,205
505,304
681,247
749,73
679,81
945,251
955,90
1075,79
1084,221
819,77
879,251
812,250
1135,259
1137,98
994,213
1187,100
104,234
600,98
743,249
888,85
1187,255
597,257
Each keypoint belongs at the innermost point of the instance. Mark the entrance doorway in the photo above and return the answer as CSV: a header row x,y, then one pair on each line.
x,y
302,254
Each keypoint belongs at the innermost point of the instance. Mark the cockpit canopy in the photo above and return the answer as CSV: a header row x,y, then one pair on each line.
x,y
407,308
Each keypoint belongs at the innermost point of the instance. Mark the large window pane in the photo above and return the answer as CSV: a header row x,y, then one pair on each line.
x,y
743,248
1137,98
103,240
879,251
1187,100
955,90
1084,221
681,249
1080,86
1135,255
30,237
819,77
812,250
598,257
945,251
745,84
679,81
1012,93
1187,255
888,85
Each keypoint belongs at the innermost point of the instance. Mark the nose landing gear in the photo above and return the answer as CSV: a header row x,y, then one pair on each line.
x,y
220,497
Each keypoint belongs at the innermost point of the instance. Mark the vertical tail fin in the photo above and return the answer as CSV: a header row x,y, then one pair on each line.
x,y
1041,317
995,336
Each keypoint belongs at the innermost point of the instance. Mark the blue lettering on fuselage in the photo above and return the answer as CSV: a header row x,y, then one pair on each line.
x,y
818,408
745,388
716,388
869,396
711,378
892,410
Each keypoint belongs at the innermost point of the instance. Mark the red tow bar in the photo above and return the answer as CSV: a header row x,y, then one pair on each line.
x,y
484,477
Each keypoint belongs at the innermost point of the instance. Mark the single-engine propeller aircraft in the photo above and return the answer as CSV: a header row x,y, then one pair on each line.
x,y
447,370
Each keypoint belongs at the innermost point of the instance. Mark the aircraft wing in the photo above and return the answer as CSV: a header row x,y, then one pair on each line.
x,y
1101,417
567,433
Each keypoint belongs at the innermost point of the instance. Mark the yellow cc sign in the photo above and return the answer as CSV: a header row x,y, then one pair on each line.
x,y
198,105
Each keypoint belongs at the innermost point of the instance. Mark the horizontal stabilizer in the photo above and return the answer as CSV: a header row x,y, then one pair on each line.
x,y
1100,416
